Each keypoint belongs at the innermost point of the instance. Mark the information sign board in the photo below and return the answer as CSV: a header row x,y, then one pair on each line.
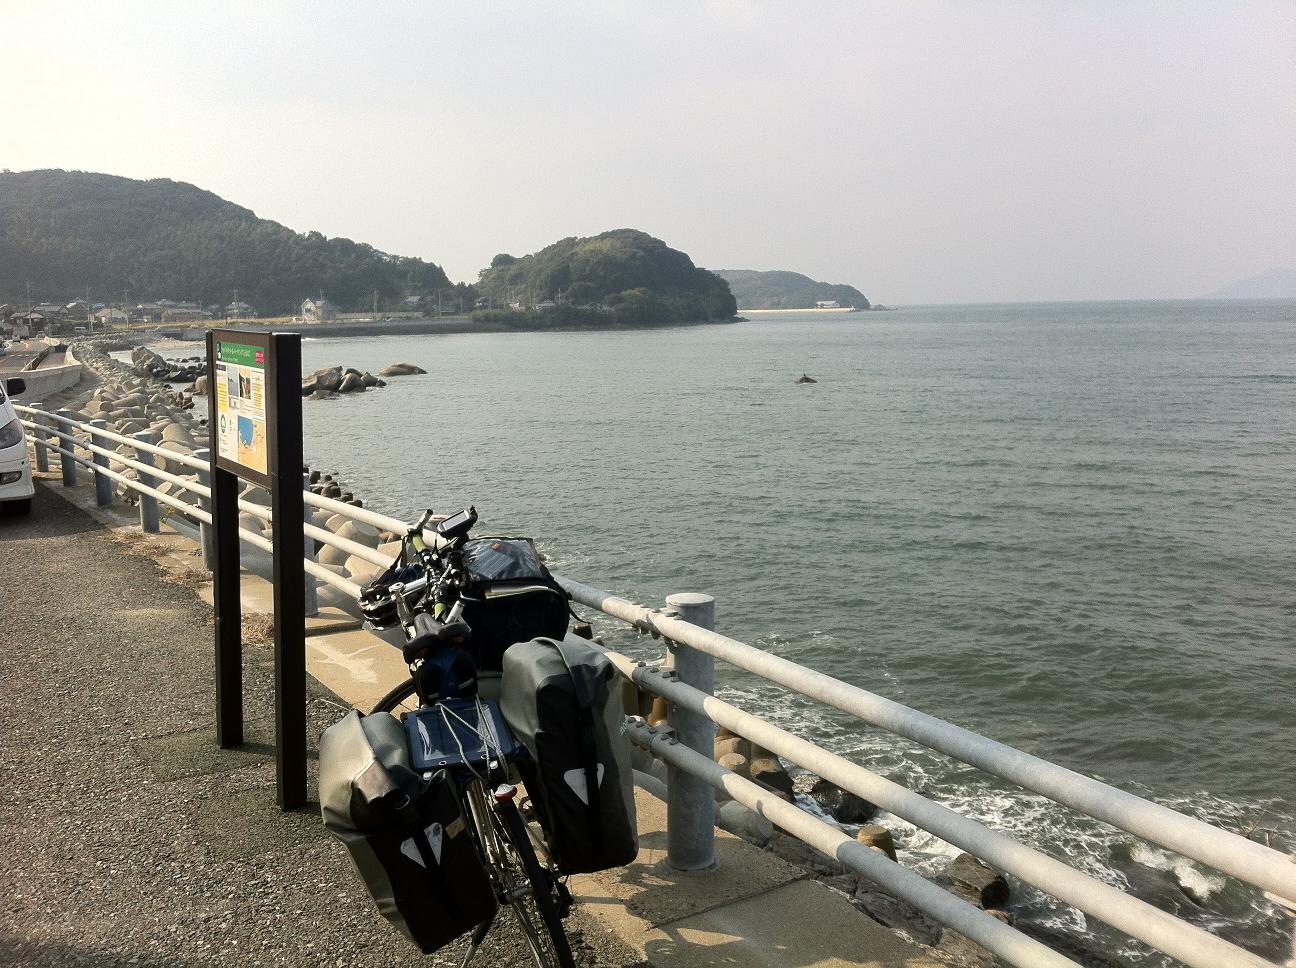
x,y
241,374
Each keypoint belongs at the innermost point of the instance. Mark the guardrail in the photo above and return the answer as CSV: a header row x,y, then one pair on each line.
x,y
686,744
62,434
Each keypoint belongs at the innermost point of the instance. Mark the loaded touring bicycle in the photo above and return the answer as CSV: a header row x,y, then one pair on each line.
x,y
425,791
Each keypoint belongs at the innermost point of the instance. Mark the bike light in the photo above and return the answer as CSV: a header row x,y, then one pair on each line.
x,y
9,477
11,434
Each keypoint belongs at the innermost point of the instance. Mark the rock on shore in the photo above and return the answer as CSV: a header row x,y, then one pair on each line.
x,y
150,364
329,381
401,369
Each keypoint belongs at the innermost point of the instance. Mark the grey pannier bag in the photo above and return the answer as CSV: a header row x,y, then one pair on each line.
x,y
406,833
562,701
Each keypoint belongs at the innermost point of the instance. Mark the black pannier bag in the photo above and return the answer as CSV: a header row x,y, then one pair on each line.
x,y
406,833
510,597
562,700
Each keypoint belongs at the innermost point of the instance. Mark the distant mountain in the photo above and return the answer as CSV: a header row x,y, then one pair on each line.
x,y
619,278
1277,283
786,290
68,232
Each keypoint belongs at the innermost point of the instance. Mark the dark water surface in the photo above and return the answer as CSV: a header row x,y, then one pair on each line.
x,y
1068,527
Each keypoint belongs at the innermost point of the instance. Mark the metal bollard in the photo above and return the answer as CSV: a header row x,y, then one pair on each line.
x,y
150,522
66,463
39,437
312,583
103,483
690,803
206,537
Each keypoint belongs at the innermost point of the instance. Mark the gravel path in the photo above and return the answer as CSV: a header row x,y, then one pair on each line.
x,y
130,838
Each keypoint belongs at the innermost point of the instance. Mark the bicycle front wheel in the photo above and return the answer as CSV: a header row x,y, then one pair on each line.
x,y
531,890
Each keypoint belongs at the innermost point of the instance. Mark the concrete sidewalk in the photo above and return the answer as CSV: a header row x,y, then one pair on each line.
x,y
140,842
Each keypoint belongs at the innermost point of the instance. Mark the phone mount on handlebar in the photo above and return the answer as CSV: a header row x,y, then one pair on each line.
x,y
457,526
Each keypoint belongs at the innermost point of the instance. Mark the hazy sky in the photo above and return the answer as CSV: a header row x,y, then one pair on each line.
x,y
924,152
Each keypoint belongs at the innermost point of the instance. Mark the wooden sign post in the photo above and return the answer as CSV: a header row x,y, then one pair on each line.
x,y
255,423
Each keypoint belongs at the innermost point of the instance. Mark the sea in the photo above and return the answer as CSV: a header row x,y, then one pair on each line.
x,y
1070,527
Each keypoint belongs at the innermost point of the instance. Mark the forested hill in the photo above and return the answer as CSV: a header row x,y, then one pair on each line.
x,y
69,232
620,278
786,290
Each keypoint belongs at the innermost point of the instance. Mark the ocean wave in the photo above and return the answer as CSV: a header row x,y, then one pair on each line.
x,y
1192,878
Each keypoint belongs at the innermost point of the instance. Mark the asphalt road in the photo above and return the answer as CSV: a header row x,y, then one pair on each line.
x,y
130,838
14,360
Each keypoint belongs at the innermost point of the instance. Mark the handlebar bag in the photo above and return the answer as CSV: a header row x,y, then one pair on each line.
x,y
509,597
562,700
406,833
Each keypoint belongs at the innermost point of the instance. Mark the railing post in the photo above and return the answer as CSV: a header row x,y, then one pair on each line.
x,y
690,802
39,436
66,463
103,483
206,537
311,582
150,522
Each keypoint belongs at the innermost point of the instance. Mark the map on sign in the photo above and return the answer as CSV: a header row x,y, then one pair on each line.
x,y
240,380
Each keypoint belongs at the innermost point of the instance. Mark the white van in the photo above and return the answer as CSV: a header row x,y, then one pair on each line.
x,y
16,488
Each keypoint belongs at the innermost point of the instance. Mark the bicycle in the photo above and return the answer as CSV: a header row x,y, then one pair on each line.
x,y
479,762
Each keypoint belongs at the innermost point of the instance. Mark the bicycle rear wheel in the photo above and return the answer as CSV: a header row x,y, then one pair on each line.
x,y
402,696
531,890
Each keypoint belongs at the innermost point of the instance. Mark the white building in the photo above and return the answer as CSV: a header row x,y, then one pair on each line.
x,y
318,310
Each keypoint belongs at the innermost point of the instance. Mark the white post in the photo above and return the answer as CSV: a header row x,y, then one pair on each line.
x,y
312,583
103,483
206,536
690,802
39,436
150,522
66,463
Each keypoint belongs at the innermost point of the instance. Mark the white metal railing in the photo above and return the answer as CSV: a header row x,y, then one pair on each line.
x,y
688,689
1245,859
72,434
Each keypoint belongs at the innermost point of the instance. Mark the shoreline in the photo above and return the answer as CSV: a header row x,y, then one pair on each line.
x,y
840,310
446,325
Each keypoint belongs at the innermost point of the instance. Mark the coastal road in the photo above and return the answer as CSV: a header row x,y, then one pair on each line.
x,y
14,360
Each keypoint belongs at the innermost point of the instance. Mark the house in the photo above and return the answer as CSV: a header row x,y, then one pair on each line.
x,y
183,314
33,321
238,310
318,310
77,309
111,316
411,302
147,313
827,304
13,324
